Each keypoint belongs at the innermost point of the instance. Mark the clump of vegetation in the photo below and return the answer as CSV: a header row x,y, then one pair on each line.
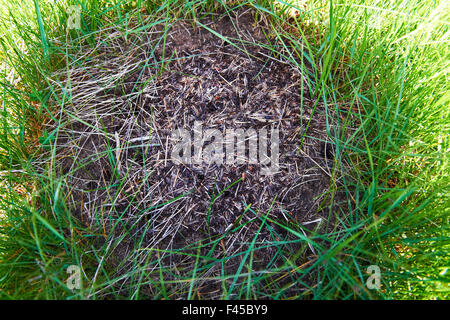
x,y
371,108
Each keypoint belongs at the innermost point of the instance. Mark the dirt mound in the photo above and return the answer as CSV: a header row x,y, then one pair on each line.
x,y
116,148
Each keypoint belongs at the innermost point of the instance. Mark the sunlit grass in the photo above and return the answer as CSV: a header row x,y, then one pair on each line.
x,y
380,66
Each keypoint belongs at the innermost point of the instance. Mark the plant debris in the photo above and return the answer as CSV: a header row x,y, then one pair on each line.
x,y
114,145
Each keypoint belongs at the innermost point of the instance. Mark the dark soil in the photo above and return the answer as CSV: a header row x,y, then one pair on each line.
x,y
126,101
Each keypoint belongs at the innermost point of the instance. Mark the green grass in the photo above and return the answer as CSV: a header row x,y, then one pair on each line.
x,y
381,67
